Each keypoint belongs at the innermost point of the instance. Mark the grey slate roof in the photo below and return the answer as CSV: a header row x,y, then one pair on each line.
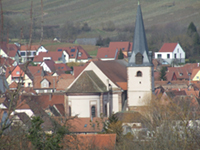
x,y
88,82
139,42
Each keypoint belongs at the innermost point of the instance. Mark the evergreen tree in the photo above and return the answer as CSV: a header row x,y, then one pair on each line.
x,y
121,55
163,74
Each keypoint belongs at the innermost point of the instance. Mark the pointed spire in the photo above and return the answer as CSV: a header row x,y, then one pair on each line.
x,y
139,42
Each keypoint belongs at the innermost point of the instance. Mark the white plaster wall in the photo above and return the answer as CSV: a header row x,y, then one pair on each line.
x,y
115,103
9,80
164,55
29,112
179,52
41,49
45,67
80,105
66,58
138,87
27,80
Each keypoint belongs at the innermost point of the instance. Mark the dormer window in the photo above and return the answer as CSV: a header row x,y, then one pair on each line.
x,y
79,54
181,74
139,74
106,55
17,72
138,58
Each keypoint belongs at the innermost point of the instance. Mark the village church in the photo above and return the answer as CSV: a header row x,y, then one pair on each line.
x,y
106,87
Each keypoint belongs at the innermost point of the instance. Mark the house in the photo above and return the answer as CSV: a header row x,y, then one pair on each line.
x,y
74,54
182,72
50,84
56,56
56,69
6,62
10,51
111,52
101,88
28,52
132,122
170,53
20,74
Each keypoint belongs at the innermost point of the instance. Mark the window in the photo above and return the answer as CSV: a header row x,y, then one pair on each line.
x,y
178,50
28,53
79,54
138,58
29,84
17,72
106,55
105,107
23,53
168,55
70,111
139,74
159,55
93,111
34,53
174,55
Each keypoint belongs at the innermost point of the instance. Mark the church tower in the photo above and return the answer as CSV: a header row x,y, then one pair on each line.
x,y
140,67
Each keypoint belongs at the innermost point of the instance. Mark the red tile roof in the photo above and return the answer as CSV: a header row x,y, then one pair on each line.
x,y
106,52
27,47
7,62
124,46
9,49
35,70
181,72
90,141
55,55
73,51
168,47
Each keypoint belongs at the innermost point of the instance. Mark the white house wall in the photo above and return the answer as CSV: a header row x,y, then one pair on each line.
x,y
81,105
115,99
41,49
45,67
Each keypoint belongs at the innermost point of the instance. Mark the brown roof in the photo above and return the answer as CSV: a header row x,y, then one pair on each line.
x,y
7,62
73,52
194,72
79,69
27,47
60,108
60,82
36,70
168,47
106,52
90,141
182,72
9,49
124,46
61,68
88,82
55,55
13,85
115,70
85,125
64,81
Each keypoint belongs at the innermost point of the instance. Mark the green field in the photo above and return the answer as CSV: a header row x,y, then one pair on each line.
x,y
96,12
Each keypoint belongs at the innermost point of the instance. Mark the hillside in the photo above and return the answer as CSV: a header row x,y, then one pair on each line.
x,y
96,12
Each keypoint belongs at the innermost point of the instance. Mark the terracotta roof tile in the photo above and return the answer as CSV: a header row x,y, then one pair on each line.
x,y
55,56
168,47
26,47
73,52
91,141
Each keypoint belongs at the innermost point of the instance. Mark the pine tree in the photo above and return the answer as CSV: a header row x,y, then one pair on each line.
x,y
163,74
121,55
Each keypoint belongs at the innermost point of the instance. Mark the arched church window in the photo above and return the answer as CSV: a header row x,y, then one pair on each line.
x,y
93,111
70,111
139,74
138,58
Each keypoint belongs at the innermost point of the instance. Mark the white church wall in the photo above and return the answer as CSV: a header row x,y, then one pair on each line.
x,y
81,105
